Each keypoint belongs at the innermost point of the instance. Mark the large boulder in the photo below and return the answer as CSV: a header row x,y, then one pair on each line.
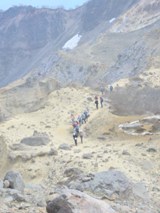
x,y
59,205
134,128
65,146
73,201
111,183
73,172
35,141
15,180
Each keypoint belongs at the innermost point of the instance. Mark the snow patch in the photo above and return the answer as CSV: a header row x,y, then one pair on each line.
x,y
112,20
73,42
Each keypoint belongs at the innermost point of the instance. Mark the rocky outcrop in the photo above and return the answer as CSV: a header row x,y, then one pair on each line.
x,y
146,126
35,141
73,201
106,10
141,15
13,100
15,180
134,99
112,183
26,37
65,146
34,35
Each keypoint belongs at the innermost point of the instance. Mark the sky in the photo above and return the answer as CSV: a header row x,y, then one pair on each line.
x,y
68,4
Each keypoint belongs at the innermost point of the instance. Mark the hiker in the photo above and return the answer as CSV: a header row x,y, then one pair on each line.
x,y
102,90
86,113
75,136
81,135
75,124
79,120
101,101
111,88
77,129
83,116
96,101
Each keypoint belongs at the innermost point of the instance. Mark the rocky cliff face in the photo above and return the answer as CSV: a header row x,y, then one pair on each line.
x,y
32,40
24,32
144,13
29,35
104,10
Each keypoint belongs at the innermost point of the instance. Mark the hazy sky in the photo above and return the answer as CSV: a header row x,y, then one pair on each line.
x,y
68,4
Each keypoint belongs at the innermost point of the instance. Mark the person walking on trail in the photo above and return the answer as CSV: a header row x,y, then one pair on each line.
x,y
101,101
96,102
83,118
75,135
79,120
86,112
111,88
102,90
75,124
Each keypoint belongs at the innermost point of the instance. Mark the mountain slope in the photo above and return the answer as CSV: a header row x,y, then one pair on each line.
x,y
140,15
30,37
24,33
109,58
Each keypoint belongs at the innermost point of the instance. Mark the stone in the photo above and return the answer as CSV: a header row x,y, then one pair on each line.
x,y
72,172
132,125
52,151
15,180
134,128
59,205
125,152
107,183
151,150
90,99
35,141
87,156
65,146
6,184
73,201
103,138
139,144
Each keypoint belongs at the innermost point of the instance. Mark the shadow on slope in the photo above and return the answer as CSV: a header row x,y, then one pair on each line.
x,y
27,97
135,100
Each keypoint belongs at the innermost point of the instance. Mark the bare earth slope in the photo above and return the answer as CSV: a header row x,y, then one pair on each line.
x,y
142,14
107,145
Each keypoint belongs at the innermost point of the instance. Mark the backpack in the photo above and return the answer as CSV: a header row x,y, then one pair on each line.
x,y
77,129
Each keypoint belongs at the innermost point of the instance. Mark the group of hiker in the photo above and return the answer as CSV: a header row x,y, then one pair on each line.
x,y
82,119
97,101
100,100
77,125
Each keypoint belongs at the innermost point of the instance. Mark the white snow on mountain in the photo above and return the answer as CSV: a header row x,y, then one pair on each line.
x,y
112,20
73,42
